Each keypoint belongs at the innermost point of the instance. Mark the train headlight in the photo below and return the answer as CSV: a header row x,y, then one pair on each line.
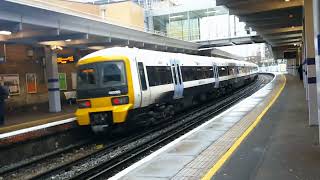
x,y
120,100
84,104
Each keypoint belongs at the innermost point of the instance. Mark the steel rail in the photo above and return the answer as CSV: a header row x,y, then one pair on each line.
x,y
109,167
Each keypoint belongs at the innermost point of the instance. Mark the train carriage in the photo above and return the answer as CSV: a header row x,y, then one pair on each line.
x,y
121,85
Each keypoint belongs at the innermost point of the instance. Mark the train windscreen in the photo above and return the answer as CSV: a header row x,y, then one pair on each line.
x,y
102,79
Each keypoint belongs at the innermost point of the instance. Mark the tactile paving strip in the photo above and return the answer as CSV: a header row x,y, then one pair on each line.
x,y
207,158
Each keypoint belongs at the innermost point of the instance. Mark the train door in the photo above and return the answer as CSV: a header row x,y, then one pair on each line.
x,y
216,76
177,79
145,91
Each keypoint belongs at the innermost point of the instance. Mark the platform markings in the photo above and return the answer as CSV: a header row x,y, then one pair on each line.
x,y
235,146
167,147
35,128
173,143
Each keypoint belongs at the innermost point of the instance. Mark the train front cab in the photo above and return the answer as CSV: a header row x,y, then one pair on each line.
x,y
105,91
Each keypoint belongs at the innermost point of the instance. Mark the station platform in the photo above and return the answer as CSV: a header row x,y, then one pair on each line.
x,y
26,118
265,136
282,146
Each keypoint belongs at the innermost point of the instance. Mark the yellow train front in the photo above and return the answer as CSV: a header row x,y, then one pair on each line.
x,y
104,91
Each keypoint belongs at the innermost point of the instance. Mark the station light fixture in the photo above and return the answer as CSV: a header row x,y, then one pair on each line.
x,y
7,33
287,0
67,40
96,47
55,47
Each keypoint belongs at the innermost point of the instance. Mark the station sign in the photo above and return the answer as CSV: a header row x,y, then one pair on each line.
x,y
65,60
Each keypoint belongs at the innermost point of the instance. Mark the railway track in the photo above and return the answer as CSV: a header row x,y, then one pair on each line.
x,y
117,154
109,167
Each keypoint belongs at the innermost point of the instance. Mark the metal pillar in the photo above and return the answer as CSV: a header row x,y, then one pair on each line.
x,y
310,63
53,81
304,66
150,23
169,26
189,27
316,25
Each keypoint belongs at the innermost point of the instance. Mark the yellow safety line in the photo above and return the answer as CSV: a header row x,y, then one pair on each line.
x,y
226,156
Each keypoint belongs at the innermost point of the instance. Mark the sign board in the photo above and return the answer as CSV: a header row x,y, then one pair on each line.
x,y
65,60
12,82
31,83
63,81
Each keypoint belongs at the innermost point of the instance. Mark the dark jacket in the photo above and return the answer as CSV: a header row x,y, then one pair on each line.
x,y
4,93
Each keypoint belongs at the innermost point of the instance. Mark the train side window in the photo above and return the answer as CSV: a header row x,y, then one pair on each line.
x,y
142,76
187,73
191,73
231,70
166,76
159,75
223,71
210,72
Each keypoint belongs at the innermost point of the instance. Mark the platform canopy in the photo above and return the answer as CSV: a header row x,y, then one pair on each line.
x,y
278,22
45,23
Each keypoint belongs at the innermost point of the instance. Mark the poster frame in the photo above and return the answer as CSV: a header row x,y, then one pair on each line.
x,y
35,83
64,82
4,76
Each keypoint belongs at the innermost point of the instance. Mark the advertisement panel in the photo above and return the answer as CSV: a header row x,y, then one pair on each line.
x,y
63,81
12,82
31,83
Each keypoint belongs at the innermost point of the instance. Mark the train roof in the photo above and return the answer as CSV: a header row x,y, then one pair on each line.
x,y
132,52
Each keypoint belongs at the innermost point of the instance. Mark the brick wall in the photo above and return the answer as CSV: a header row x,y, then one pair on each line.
x,y
18,62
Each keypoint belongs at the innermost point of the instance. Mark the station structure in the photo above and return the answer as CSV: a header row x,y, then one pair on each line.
x,y
40,42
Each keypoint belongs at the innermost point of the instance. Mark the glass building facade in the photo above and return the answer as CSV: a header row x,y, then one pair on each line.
x,y
193,21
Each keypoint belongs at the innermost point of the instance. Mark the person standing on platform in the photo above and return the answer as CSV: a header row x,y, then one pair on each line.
x,y
300,71
4,94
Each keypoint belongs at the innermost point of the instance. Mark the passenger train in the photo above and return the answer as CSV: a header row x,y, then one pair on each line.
x,y
119,86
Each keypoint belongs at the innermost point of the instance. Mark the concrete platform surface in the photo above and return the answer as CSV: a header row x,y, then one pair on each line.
x,y
193,154
283,146
22,119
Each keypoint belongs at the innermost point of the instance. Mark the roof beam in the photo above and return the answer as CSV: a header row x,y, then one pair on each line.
x,y
284,36
44,16
278,30
294,13
233,2
273,20
278,41
287,44
29,34
251,6
274,24
11,26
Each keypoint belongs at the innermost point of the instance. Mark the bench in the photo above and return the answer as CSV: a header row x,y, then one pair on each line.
x,y
71,96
